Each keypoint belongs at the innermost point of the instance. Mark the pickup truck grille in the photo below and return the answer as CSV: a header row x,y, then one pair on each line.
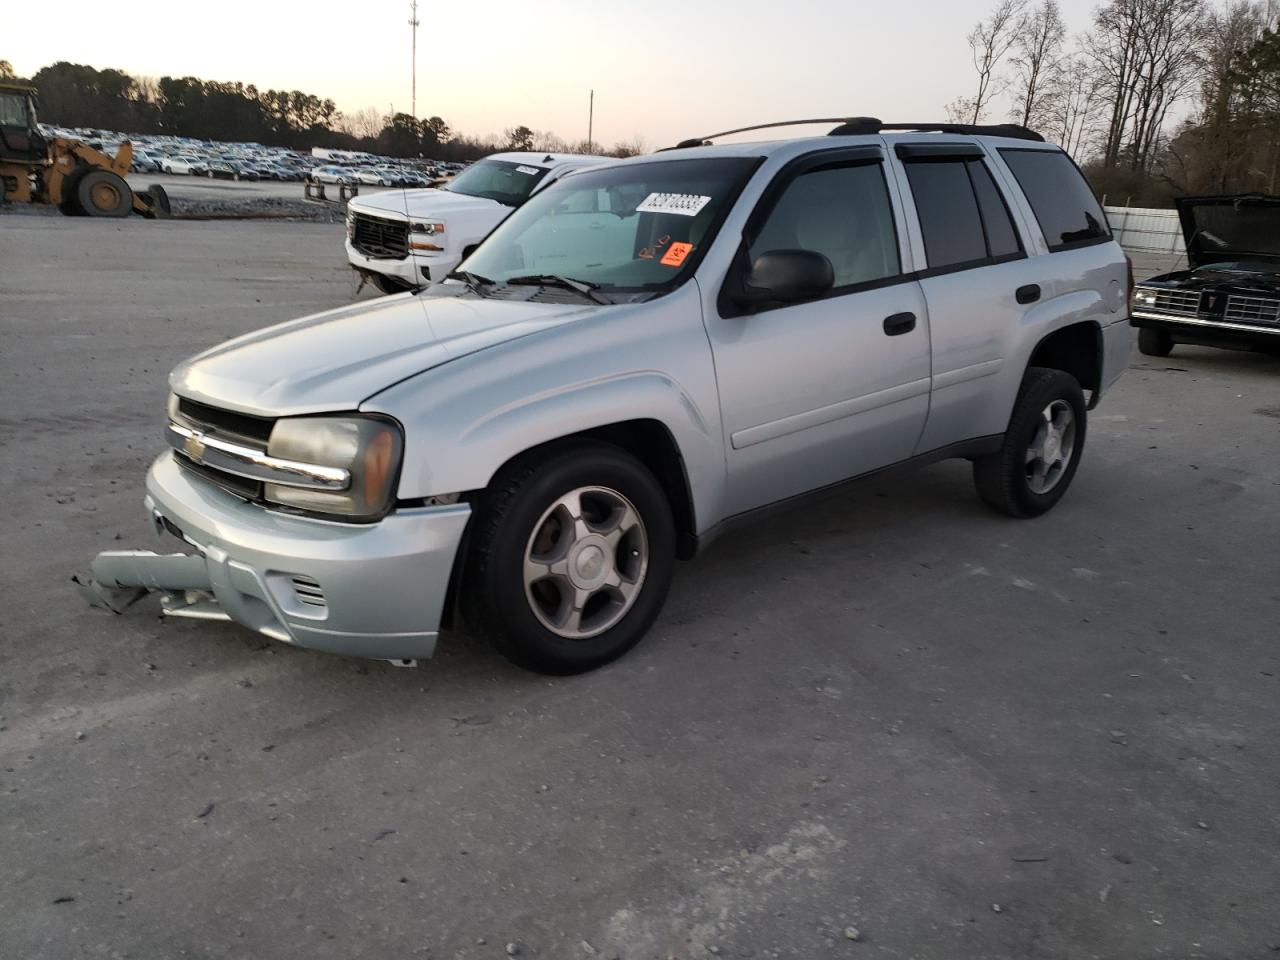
x,y
1256,310
1184,303
380,238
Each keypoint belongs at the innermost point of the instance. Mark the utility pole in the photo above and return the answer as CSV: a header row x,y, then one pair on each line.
x,y
413,23
591,116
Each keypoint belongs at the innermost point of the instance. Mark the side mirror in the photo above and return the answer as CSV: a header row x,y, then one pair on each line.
x,y
788,276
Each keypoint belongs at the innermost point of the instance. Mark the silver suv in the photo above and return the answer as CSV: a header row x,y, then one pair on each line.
x,y
639,357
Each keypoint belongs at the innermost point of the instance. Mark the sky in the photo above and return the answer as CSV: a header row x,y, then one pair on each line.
x,y
661,71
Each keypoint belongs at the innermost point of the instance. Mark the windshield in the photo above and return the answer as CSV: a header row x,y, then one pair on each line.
x,y
636,226
502,180
13,110
1226,231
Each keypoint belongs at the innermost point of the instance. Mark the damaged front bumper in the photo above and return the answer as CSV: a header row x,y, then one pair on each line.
x,y
370,590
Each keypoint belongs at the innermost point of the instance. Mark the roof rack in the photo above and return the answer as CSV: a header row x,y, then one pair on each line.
x,y
854,126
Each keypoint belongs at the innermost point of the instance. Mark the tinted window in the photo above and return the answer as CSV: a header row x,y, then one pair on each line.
x,y
948,212
1002,238
840,212
1064,205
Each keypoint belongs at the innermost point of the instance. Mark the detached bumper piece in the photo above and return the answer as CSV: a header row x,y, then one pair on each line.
x,y
372,590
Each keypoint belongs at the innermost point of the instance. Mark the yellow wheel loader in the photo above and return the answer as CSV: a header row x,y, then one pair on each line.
x,y
78,179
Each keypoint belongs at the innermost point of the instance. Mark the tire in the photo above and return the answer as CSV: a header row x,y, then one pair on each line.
x,y
101,193
522,516
1154,343
1013,480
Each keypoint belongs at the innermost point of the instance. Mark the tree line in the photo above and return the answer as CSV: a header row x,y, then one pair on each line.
x,y
79,95
1157,98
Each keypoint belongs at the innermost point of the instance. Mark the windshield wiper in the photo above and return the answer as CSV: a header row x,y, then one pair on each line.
x,y
473,281
589,290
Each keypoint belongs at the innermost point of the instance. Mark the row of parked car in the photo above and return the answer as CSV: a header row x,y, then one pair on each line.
x,y
253,161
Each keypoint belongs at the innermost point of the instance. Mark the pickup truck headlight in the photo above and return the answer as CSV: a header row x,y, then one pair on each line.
x,y
370,449
429,228
351,224
1144,298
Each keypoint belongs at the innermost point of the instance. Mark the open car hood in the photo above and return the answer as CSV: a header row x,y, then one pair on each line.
x,y
1229,229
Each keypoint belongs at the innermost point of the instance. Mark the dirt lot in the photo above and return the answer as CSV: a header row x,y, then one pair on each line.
x,y
964,736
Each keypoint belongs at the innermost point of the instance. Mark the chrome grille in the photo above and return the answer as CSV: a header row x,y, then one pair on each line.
x,y
1252,310
227,425
380,238
308,591
1183,302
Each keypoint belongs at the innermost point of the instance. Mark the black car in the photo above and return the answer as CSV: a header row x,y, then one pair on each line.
x,y
1230,293
229,170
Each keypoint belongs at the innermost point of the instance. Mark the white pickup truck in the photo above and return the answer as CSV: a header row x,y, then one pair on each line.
x,y
404,239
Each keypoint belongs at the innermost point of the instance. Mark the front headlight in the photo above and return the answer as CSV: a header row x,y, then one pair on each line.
x,y
430,228
1144,298
351,224
368,448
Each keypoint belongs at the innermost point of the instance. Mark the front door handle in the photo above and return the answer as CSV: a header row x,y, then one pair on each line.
x,y
1028,294
899,323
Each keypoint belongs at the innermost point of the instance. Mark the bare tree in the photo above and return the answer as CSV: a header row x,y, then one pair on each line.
x,y
366,123
989,41
634,147
1148,56
546,141
1070,106
1036,59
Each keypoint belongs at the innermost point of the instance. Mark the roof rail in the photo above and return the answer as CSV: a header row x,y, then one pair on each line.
x,y
853,126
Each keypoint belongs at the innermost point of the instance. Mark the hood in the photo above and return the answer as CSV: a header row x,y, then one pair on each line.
x,y
1229,229
422,202
335,360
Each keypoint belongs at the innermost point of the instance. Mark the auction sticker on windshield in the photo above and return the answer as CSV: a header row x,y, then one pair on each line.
x,y
684,204
531,171
676,254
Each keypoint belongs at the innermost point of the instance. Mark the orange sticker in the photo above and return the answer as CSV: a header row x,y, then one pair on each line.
x,y
676,254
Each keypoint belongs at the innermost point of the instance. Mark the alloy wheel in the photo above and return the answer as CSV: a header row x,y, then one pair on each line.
x,y
585,562
1049,453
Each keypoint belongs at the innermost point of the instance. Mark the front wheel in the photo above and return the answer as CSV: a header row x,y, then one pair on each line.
x,y
1041,449
1154,343
572,553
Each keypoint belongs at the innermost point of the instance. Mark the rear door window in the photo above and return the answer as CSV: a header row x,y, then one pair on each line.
x,y
963,217
1064,205
948,212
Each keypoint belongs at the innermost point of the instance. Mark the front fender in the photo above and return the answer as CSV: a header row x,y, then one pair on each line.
x,y
467,418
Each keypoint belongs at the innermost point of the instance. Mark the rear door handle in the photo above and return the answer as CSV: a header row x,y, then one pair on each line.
x,y
1028,294
899,323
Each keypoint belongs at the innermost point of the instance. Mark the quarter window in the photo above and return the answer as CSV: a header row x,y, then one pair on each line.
x,y
842,212
1068,212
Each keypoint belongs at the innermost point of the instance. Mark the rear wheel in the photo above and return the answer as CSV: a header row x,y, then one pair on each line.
x,y
1154,343
571,558
102,193
1041,449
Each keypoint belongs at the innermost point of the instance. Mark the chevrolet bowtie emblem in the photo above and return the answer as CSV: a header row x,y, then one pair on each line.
x,y
193,447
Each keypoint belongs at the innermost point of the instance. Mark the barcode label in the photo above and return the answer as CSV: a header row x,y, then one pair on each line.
x,y
684,204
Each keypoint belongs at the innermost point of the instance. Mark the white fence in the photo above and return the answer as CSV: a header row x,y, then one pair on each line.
x,y
1146,230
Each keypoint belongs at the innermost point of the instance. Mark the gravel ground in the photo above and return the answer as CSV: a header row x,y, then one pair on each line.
x,y
198,197
889,725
